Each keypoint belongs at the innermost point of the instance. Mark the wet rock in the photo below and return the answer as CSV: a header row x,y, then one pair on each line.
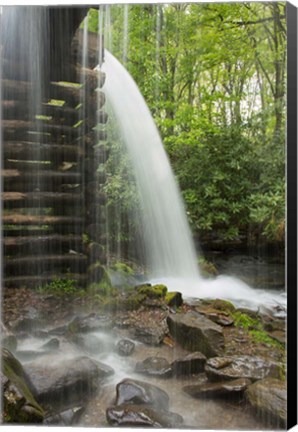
x,y
40,334
191,364
155,366
279,336
90,323
227,388
89,343
149,335
26,325
220,319
223,305
269,399
137,392
58,331
174,299
125,347
27,355
61,384
68,417
18,393
8,339
9,342
233,367
141,416
52,344
194,332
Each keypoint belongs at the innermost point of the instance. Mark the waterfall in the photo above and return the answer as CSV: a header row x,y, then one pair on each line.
x,y
171,252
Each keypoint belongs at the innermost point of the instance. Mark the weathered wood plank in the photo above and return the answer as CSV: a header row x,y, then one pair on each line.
x,y
33,264
46,243
26,150
39,199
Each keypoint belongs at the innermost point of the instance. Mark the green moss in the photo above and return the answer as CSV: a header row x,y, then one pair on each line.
x,y
255,329
20,405
223,305
207,268
104,285
152,291
133,301
245,321
173,298
123,268
263,337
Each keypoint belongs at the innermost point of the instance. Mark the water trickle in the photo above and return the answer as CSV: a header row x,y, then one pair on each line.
x,y
170,249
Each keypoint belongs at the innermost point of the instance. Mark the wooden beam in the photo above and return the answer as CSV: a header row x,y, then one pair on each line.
x,y
12,200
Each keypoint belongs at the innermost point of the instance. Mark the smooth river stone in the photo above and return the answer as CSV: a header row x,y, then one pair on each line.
x,y
233,367
142,416
136,392
226,388
155,366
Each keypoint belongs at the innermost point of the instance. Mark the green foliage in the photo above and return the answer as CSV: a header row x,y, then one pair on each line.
x,y
214,78
255,328
245,321
61,287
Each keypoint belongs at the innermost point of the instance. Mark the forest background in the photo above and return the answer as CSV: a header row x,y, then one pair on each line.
x,y
214,78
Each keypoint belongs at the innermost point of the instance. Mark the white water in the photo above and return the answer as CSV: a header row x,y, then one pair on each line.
x,y
172,255
170,248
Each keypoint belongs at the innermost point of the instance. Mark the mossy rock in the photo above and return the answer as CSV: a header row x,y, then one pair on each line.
x,y
223,305
152,291
133,301
174,298
19,404
101,281
207,268
122,268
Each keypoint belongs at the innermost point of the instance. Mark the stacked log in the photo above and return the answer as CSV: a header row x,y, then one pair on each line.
x,y
46,173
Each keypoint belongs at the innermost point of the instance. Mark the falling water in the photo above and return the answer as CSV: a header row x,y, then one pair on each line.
x,y
171,251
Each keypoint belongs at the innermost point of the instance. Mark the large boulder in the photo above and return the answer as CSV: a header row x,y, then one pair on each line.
x,y
233,367
150,335
19,403
234,388
65,383
142,416
269,399
194,332
191,364
130,391
154,366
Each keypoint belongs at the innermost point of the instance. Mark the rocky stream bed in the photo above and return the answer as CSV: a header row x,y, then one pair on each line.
x,y
165,362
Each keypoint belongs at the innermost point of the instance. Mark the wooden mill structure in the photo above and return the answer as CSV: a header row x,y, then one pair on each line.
x,y
52,199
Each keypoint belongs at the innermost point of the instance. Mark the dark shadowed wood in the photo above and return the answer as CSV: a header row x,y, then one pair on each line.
x,y
20,219
40,263
37,244
47,199
40,181
39,151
